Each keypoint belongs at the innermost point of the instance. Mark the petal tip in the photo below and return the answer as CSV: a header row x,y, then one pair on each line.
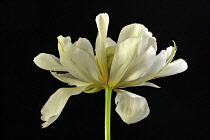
x,y
44,125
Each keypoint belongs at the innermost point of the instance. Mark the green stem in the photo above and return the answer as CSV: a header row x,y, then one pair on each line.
x,y
108,97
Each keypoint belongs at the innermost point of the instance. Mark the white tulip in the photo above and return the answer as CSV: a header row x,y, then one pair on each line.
x,y
131,61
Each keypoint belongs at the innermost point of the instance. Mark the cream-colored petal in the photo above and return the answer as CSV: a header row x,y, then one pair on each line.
x,y
173,68
69,79
124,56
131,107
55,104
48,62
102,21
130,31
78,60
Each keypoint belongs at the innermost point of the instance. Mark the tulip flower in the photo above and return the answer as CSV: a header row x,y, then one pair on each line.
x,y
131,61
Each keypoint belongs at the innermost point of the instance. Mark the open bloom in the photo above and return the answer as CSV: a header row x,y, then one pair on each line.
x,y
131,61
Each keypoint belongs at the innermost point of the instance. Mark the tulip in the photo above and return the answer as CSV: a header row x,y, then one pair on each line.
x,y
131,61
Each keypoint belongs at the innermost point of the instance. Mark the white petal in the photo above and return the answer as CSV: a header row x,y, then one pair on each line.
x,y
140,66
159,63
69,79
85,45
130,31
147,41
48,62
64,41
102,21
138,30
124,56
131,107
78,60
55,104
173,68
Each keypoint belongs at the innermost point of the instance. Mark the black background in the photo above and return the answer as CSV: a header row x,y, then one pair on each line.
x,y
179,110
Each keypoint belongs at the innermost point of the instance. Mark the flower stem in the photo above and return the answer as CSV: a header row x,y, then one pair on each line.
x,y
108,96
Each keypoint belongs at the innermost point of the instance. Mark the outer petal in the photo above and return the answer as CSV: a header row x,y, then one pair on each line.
x,y
83,68
131,107
69,79
124,56
55,104
173,68
138,30
48,62
102,21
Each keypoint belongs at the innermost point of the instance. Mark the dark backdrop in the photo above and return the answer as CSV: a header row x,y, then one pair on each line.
x,y
179,110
